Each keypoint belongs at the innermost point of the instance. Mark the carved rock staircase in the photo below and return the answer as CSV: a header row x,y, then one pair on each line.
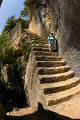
x,y
55,86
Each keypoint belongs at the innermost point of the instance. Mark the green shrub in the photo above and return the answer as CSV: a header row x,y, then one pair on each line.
x,y
15,58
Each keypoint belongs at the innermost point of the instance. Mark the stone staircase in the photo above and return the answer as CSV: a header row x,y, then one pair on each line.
x,y
57,88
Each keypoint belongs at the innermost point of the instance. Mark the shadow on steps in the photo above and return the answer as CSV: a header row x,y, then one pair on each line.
x,y
40,114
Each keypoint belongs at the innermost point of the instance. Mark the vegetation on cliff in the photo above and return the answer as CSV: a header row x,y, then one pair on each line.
x,y
13,63
12,92
10,24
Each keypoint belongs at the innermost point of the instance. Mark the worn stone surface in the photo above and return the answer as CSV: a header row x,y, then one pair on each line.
x,y
69,27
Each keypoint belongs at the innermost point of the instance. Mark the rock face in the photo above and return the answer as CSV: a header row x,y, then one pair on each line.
x,y
62,17
69,27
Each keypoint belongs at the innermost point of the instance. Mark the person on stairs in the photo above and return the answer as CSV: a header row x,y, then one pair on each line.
x,y
53,46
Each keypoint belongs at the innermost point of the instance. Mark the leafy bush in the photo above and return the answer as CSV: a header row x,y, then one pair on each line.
x,y
25,47
6,51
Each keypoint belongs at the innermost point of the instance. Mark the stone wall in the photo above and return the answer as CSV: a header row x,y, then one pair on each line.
x,y
30,85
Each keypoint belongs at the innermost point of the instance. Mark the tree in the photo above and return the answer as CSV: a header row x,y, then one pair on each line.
x,y
10,24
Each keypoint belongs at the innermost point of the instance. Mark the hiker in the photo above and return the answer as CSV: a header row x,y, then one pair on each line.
x,y
52,43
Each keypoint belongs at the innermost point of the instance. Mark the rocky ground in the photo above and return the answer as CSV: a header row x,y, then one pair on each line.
x,y
30,114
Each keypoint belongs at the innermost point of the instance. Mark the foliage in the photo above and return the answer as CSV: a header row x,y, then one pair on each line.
x,y
5,44
24,22
10,24
13,94
24,12
25,47
4,41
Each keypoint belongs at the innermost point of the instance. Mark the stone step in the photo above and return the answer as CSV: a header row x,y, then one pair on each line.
x,y
48,58
33,38
46,53
56,77
50,63
42,45
52,70
53,99
20,112
50,88
40,41
40,49
43,41
69,108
